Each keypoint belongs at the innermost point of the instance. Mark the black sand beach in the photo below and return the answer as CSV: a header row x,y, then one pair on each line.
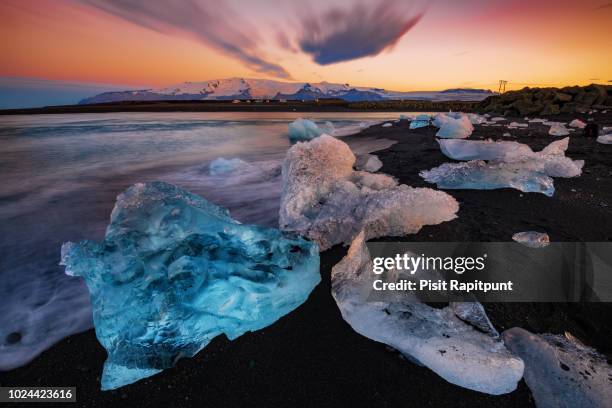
x,y
313,358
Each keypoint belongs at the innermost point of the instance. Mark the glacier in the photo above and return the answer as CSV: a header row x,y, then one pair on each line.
x,y
511,165
325,200
174,271
457,342
560,371
303,129
532,239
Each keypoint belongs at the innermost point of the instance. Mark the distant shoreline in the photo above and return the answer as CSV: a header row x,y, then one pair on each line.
x,y
326,105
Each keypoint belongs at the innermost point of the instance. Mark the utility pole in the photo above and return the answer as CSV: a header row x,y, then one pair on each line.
x,y
502,86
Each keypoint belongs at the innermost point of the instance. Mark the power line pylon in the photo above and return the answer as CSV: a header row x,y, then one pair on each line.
x,y
502,86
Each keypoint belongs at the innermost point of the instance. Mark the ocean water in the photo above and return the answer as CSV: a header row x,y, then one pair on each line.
x,y
61,174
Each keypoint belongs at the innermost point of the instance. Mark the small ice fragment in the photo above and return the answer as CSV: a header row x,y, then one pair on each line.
x,y
532,239
222,165
388,124
498,119
423,116
577,123
537,120
415,124
558,130
605,139
517,125
303,129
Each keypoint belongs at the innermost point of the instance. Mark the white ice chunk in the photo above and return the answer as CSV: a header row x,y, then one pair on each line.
x,y
512,165
452,128
537,120
515,125
459,149
605,139
478,175
560,371
532,239
449,341
440,119
303,129
388,124
551,160
498,119
325,200
558,130
577,123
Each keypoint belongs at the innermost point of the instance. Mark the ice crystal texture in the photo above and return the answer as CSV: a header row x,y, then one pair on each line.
x,y
324,199
174,271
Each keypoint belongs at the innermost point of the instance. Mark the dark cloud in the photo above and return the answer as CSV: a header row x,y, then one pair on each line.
x,y
604,6
212,24
366,29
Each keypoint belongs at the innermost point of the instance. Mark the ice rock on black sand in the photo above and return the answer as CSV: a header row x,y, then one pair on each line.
x,y
457,342
324,200
561,371
174,271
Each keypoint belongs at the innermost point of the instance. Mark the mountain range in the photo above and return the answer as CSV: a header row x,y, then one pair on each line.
x,y
246,88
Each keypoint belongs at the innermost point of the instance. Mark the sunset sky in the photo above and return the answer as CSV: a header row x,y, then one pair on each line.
x,y
398,45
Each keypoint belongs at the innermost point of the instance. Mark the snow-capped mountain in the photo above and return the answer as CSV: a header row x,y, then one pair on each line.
x,y
245,88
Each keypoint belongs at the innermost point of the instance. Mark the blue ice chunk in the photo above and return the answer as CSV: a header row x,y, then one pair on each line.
x,y
174,271
479,175
301,130
415,124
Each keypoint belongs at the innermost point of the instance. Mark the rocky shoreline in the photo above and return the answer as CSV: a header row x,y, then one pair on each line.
x,y
549,101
